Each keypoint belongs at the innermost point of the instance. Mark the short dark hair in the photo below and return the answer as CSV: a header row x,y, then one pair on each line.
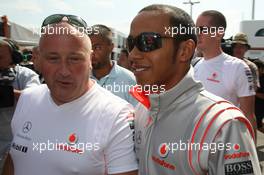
x,y
103,31
125,51
178,17
217,18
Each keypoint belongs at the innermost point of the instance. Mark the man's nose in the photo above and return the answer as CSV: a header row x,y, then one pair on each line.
x,y
64,69
135,54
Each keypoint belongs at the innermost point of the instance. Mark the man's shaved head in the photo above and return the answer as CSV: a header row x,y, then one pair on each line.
x,y
65,29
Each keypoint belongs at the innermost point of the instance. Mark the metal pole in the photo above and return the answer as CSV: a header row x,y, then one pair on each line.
x,y
191,4
253,9
191,9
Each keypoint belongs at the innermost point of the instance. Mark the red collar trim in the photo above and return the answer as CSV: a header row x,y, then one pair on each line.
x,y
140,95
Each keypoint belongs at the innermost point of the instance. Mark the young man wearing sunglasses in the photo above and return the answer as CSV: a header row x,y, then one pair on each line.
x,y
184,130
65,127
105,71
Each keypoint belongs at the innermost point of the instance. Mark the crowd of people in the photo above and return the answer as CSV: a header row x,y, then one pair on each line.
x,y
173,103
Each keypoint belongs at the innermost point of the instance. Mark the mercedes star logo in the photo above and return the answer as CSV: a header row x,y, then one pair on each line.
x,y
27,127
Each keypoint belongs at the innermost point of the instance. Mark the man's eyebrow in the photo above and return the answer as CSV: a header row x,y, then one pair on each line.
x,y
48,53
96,44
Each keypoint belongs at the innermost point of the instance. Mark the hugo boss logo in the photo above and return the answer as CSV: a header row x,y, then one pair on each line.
x,y
239,168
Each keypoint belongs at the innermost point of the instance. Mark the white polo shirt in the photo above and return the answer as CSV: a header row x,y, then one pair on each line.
x,y
225,76
90,135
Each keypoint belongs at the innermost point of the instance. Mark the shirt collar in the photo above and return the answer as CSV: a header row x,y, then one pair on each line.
x,y
112,73
160,102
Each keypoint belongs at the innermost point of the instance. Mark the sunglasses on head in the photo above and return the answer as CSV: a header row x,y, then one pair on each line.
x,y
71,19
146,41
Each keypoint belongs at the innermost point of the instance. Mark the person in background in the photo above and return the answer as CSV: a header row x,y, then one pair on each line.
x,y
13,79
239,47
105,71
220,73
35,60
259,103
123,59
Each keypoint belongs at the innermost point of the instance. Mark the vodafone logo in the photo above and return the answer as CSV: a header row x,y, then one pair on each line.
x,y
213,78
237,155
72,139
236,147
214,75
163,150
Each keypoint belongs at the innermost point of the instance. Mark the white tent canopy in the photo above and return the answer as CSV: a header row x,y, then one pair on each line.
x,y
23,35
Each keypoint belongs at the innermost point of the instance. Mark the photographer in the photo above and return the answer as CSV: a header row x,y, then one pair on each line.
x,y
13,79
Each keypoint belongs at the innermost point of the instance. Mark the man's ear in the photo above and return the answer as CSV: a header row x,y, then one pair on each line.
x,y
220,33
112,46
186,50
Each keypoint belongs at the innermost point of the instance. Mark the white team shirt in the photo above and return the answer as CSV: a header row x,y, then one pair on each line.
x,y
90,135
225,76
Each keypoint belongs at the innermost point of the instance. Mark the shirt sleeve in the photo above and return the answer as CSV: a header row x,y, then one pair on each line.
x,y
244,81
26,78
119,152
238,156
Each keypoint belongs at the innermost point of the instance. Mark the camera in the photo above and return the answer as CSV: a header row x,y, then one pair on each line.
x,y
7,77
226,45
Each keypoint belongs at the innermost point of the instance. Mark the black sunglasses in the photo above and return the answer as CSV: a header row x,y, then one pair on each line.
x,y
71,19
146,41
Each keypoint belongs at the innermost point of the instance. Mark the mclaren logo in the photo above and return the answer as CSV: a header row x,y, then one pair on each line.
x,y
27,127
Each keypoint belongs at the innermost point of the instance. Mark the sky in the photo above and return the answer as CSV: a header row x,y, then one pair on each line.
x,y
118,14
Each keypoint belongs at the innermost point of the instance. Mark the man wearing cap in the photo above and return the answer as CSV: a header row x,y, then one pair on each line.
x,y
239,47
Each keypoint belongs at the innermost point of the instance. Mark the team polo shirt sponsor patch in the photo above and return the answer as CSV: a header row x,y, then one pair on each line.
x,y
239,168
73,138
131,120
163,152
249,78
138,137
71,145
236,155
20,148
214,78
26,129
163,163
